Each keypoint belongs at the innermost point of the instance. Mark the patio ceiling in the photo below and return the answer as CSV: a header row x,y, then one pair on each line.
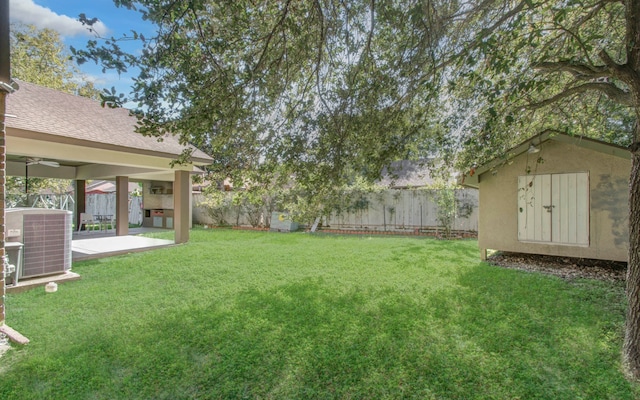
x,y
87,140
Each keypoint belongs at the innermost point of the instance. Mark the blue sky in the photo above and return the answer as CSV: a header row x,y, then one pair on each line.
x,y
62,15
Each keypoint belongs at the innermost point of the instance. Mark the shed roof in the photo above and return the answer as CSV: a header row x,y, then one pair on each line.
x,y
471,178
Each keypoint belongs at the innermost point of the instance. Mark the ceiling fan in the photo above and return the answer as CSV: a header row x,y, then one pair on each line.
x,y
35,161
40,161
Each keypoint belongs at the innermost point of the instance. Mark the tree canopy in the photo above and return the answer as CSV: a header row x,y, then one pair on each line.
x,y
325,89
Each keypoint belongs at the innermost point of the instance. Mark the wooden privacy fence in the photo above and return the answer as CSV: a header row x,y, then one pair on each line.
x,y
392,210
408,210
105,204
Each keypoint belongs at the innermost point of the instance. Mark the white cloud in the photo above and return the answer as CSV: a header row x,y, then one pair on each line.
x,y
108,80
27,12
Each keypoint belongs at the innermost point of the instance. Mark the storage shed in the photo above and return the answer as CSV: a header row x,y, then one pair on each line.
x,y
555,195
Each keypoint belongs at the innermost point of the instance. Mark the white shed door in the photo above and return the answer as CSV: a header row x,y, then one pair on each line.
x,y
554,208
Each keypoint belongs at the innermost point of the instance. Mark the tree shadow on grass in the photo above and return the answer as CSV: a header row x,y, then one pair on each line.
x,y
554,338
494,334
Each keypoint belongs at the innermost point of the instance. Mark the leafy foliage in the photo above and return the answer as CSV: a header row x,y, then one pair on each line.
x,y
444,196
39,56
315,90
539,70
322,91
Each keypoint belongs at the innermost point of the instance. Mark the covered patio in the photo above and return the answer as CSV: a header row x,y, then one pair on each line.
x,y
51,134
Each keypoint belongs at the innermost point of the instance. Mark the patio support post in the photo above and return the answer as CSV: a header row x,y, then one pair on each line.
x,y
122,205
181,205
80,202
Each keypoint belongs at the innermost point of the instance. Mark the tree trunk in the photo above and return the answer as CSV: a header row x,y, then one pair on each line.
x,y
631,349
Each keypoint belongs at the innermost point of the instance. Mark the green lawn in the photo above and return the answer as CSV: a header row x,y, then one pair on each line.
x,y
236,314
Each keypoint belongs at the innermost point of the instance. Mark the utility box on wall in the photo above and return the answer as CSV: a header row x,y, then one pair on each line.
x,y
280,222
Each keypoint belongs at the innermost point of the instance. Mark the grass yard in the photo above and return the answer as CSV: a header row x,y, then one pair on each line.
x,y
236,314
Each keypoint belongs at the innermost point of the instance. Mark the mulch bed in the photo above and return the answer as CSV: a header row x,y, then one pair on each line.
x,y
564,267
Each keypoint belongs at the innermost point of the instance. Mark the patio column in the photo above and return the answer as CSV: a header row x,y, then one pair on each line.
x,y
181,205
80,200
122,205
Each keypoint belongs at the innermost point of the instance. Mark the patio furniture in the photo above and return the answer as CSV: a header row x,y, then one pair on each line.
x,y
86,220
105,220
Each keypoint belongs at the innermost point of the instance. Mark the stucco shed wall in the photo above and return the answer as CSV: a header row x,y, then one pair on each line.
x,y
608,183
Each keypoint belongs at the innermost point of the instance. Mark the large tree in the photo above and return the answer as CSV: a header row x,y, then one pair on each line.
x,y
320,90
311,89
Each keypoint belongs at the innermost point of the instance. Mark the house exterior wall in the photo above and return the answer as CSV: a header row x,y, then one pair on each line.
x,y
608,202
157,195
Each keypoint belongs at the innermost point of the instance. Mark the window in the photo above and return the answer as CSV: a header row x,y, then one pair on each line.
x,y
554,208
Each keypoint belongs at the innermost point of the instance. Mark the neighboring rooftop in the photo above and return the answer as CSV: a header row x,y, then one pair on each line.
x,y
406,174
100,186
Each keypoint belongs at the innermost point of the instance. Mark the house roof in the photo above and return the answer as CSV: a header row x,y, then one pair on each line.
x,y
67,117
471,178
406,174
88,141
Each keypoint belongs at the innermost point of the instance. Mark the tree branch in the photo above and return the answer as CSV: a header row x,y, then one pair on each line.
x,y
579,71
632,17
270,36
483,34
609,89
624,72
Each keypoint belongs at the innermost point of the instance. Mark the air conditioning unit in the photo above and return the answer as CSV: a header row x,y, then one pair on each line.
x,y
46,238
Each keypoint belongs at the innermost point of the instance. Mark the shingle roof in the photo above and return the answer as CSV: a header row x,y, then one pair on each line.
x,y
39,109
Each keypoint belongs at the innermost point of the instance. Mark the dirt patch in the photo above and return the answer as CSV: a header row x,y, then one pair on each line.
x,y
564,267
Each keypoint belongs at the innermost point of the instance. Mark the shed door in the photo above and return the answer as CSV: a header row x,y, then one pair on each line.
x,y
554,208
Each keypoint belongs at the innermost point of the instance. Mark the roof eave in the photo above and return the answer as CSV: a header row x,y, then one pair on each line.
x,y
472,178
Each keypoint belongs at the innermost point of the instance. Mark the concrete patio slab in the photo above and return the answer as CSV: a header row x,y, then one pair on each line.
x,y
84,249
